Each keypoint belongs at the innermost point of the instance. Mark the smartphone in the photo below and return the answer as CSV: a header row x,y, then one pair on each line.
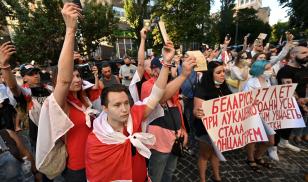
x,y
248,35
78,3
85,72
4,39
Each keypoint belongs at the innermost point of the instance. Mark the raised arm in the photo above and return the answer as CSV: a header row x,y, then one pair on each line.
x,y
6,51
173,86
245,42
141,57
285,50
70,13
97,83
226,43
161,82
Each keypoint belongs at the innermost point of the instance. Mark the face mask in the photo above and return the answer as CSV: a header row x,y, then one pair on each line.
x,y
127,64
217,82
267,74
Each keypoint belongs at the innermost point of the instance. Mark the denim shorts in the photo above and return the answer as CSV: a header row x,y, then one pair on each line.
x,y
10,168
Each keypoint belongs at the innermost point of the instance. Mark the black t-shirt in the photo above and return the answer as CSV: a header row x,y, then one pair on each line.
x,y
40,94
206,91
298,75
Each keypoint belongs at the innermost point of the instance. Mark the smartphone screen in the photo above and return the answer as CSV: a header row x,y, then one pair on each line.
x,y
4,39
78,3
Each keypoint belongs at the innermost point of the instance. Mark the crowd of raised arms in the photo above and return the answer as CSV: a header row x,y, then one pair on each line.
x,y
133,125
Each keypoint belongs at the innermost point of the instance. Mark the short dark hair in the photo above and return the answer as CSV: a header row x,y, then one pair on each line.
x,y
113,88
105,65
126,57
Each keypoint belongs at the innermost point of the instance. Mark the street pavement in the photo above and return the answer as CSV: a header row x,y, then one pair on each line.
x,y
292,167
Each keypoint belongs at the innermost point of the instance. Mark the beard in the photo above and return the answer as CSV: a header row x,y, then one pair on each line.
x,y
301,61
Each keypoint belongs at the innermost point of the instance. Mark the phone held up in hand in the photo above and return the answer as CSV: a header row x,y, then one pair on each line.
x,y
78,3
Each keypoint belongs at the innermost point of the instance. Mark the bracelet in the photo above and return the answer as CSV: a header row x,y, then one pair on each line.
x,y
165,64
5,67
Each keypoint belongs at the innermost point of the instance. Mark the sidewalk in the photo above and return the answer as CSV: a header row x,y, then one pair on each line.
x,y
291,167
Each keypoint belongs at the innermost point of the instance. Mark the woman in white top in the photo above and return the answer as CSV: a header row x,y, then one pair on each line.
x,y
261,73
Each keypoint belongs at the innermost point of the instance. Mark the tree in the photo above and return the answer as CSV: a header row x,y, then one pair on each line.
x,y
99,23
278,30
39,33
186,21
226,18
135,12
298,13
248,22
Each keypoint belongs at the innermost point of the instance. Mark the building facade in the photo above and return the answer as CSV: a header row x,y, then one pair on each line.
x,y
262,12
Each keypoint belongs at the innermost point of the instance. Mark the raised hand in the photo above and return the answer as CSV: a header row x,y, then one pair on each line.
x,y
168,52
6,51
71,12
143,33
227,40
188,64
95,71
289,37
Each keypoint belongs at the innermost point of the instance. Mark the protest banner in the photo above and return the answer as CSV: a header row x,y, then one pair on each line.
x,y
278,107
232,121
235,120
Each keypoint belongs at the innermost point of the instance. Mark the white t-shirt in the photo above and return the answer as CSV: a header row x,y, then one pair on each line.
x,y
127,71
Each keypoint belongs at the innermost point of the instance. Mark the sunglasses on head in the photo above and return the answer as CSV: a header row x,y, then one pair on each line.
x,y
31,73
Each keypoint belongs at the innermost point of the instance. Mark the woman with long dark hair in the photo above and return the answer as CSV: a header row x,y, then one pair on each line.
x,y
212,85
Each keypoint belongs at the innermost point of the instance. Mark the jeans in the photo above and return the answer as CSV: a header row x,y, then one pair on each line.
x,y
10,168
75,175
162,166
188,112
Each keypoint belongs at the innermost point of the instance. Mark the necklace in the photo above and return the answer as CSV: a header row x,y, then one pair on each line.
x,y
220,94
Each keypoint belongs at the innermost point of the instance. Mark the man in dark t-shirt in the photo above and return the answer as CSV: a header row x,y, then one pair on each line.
x,y
294,72
108,78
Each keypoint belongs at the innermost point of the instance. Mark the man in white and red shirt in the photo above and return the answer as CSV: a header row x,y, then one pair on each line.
x,y
116,149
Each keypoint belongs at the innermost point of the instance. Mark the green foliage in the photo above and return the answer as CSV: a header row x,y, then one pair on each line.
x,y
298,13
40,31
245,20
99,22
226,18
135,12
248,22
278,30
186,21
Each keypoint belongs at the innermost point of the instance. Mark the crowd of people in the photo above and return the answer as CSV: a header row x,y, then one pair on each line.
x,y
134,125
